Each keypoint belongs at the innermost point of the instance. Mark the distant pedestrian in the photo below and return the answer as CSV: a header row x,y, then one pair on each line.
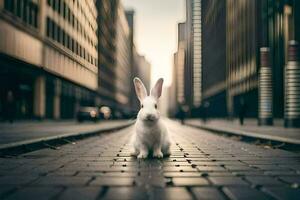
x,y
10,106
205,111
242,111
181,114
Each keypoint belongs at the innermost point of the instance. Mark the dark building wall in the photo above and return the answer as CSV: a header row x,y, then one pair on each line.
x,y
107,16
214,56
242,46
188,73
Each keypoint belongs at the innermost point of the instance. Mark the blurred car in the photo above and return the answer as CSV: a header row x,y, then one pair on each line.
x,y
105,112
88,114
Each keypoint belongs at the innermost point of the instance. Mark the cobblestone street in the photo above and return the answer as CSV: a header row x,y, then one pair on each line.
x,y
202,166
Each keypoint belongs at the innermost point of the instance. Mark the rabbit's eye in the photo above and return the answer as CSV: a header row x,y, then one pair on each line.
x,y
142,106
155,106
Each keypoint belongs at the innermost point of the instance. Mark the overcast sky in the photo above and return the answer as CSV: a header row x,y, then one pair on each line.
x,y
156,32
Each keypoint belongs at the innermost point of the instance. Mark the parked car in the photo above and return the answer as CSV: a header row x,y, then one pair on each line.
x,y
105,112
88,113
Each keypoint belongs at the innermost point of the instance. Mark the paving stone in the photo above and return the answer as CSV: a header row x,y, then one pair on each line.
x,y
179,169
263,180
147,181
174,193
17,180
207,193
80,193
245,193
182,174
189,181
5,189
283,193
227,181
63,181
210,168
238,168
112,181
220,173
291,179
35,193
280,172
126,193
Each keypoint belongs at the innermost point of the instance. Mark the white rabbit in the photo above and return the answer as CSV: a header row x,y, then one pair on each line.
x,y
150,135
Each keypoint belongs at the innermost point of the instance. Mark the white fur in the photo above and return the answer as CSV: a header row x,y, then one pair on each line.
x,y
151,135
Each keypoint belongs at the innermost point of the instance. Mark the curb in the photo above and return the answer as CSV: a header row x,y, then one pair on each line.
x,y
17,148
249,135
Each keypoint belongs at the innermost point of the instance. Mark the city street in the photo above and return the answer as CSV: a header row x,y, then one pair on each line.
x,y
202,166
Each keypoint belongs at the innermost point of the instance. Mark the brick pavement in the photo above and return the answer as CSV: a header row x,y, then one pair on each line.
x,y
202,166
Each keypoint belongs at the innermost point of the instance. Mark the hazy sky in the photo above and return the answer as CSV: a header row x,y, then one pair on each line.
x,y
156,32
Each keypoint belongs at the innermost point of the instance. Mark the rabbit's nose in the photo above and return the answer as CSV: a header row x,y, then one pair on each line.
x,y
150,117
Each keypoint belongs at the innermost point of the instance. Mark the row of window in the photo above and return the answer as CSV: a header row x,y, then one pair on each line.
x,y
55,32
25,10
63,9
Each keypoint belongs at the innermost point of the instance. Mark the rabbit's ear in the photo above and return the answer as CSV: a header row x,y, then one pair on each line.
x,y
140,89
157,89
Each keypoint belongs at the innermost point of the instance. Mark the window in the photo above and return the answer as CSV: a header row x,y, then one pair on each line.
x,y
9,5
19,7
48,27
50,2
63,38
59,34
52,30
64,10
59,6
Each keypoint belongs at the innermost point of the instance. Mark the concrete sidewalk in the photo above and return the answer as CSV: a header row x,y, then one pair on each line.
x,y
277,132
24,132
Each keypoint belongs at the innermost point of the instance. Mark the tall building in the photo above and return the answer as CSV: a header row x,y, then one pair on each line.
x,y
260,46
194,48
188,71
242,47
252,25
179,80
123,62
141,68
214,56
130,15
115,56
48,57
107,18
194,55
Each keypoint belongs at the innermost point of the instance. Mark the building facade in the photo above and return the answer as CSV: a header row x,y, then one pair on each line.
x,y
141,69
214,64
177,89
242,47
193,69
116,62
252,27
249,55
123,62
107,18
188,71
48,57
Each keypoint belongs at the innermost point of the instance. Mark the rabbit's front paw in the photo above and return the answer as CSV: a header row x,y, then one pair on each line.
x,y
158,154
142,155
